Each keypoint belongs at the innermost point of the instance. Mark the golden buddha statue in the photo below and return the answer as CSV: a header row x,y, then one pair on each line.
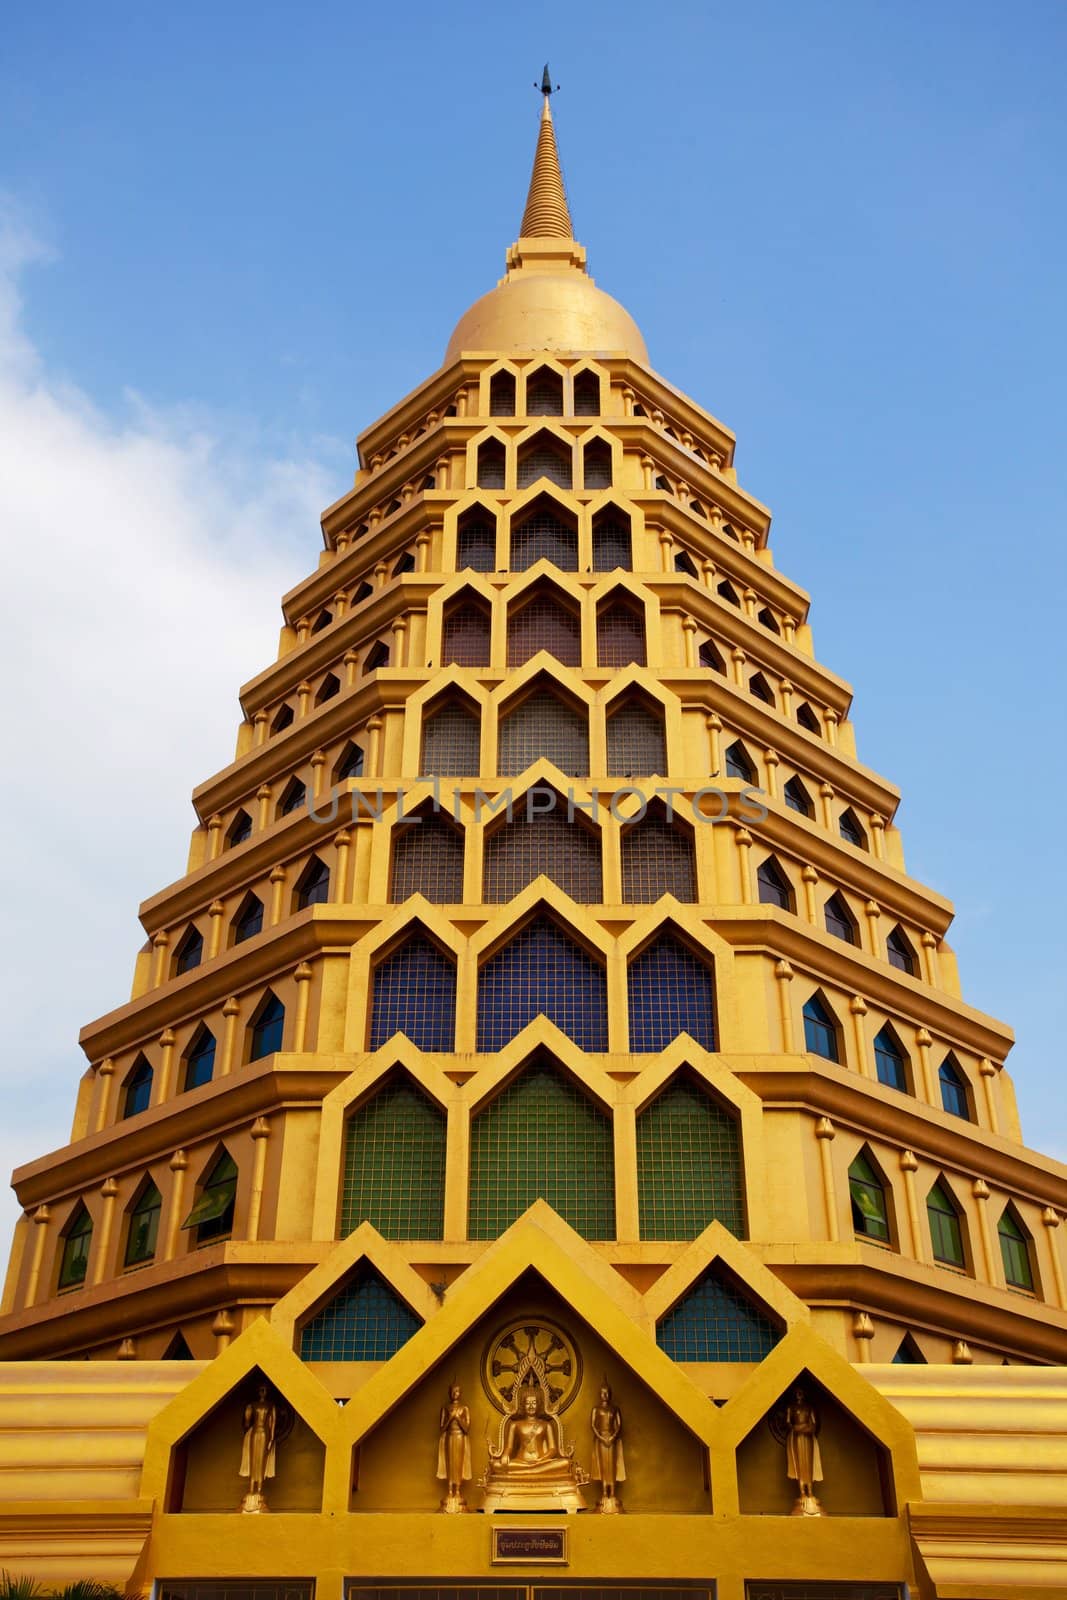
x,y
803,1459
454,1450
531,1468
258,1447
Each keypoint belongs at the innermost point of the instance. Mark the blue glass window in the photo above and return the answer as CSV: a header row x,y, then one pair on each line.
x,y
240,829
899,952
953,1089
189,953
413,991
267,1029
797,798
716,1321
540,971
773,885
889,1061
366,1321
820,1030
138,1092
350,764
249,920
739,763
671,991
293,797
839,919
313,885
850,830
199,1059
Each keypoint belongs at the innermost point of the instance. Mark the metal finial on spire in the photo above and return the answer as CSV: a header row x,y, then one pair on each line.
x,y
546,83
546,214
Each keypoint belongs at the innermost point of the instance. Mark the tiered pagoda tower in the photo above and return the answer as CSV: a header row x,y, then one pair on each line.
x,y
546,974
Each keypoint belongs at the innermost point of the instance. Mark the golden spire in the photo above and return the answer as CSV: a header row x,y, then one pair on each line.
x,y
546,214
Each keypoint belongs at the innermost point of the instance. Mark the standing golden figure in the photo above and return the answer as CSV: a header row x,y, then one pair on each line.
x,y
259,1448
803,1461
609,1465
454,1450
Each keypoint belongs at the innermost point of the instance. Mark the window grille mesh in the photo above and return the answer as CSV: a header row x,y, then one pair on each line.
x,y
544,537
822,1591
716,1322
598,464
671,992
566,852
502,395
620,636
657,858
688,1165
544,624
540,971
465,637
394,1167
476,545
543,725
365,1322
491,460
544,395
451,743
414,992
545,461
612,545
427,860
637,744
586,395
234,1588
542,1139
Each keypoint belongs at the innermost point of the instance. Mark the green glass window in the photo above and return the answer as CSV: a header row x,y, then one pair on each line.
x,y
688,1165
542,1138
1015,1253
76,1241
716,1321
946,1236
394,1167
870,1218
212,1215
366,1321
144,1227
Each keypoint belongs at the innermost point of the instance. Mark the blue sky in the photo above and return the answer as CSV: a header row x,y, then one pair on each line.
x,y
233,235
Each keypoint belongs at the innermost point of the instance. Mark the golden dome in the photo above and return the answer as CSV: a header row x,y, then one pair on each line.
x,y
547,301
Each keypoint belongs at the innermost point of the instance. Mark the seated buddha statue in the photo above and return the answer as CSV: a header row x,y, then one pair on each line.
x,y
531,1469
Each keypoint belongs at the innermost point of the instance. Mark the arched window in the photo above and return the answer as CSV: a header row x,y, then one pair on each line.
x,y
502,394
406,563
516,852
427,860
739,763
541,971
946,1235
451,736
773,886
900,953
849,828
1015,1251
266,1028
198,1062
587,395
364,592
870,1214
544,393
283,717
839,919
671,991
544,456
364,1321
768,619
543,724
413,991
476,541
142,1232
394,1164
797,798
137,1090
657,858
688,1164
465,636
212,1215
544,622
597,464
293,796
908,1353
820,1030
890,1061
377,657
541,1138
683,562
710,657
663,484
612,544
313,885
727,592
717,1321
239,830
323,620
77,1239
544,536
330,686
762,690
190,951
637,742
954,1096
249,919
620,635
349,763
697,509
491,464
807,719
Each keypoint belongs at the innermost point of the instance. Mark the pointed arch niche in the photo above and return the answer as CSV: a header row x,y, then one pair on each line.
x,y
204,1478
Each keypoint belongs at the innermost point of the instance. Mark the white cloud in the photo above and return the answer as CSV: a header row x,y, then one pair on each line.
x,y
143,560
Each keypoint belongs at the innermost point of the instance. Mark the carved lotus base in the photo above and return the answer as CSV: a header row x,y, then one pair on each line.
x,y
453,1504
253,1504
807,1506
609,1505
510,1497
